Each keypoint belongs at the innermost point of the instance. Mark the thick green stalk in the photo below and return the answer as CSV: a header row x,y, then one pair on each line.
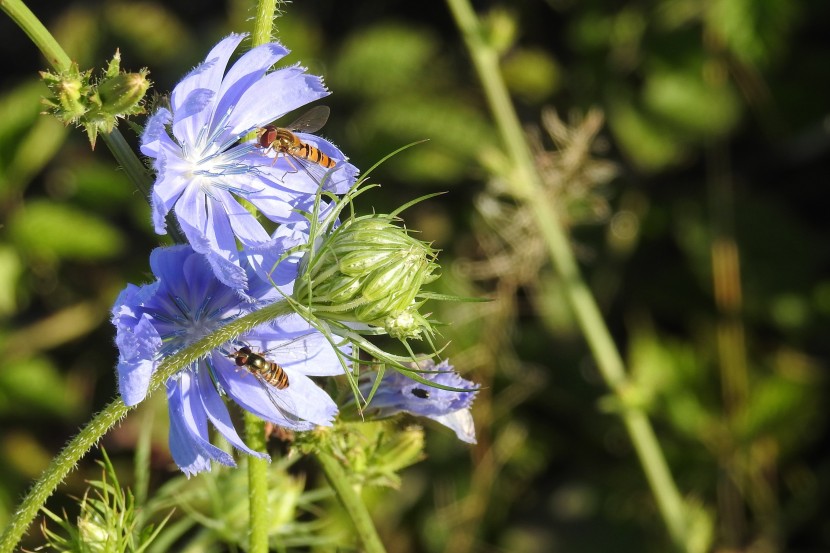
x,y
351,501
527,187
257,486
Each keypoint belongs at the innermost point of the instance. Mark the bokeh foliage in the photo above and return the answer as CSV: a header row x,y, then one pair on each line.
x,y
688,153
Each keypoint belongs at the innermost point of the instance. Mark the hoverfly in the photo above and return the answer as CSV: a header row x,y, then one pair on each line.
x,y
282,140
265,370
271,376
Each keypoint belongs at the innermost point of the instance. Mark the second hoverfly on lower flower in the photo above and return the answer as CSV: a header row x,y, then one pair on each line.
x,y
268,371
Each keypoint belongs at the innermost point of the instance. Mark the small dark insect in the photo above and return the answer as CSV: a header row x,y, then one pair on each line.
x,y
420,393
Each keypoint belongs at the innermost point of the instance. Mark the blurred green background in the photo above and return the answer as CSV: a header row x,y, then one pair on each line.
x,y
685,143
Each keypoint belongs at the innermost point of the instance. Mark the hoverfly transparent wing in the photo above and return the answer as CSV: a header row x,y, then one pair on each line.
x,y
311,121
282,402
293,348
279,399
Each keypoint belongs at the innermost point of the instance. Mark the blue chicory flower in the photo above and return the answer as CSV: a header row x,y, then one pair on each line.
x,y
206,166
398,393
186,303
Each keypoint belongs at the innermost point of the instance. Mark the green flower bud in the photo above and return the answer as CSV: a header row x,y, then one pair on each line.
x,y
116,96
371,271
69,94
407,324
122,95
96,107
94,534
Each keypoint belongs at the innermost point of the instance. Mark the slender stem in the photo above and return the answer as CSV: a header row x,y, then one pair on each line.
x,y
351,501
264,22
257,485
132,166
141,460
57,471
42,38
527,187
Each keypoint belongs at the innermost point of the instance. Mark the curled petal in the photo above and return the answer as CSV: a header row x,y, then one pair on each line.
x,y
138,359
460,422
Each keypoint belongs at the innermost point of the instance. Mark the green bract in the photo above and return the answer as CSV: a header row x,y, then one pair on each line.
x,y
371,271
95,106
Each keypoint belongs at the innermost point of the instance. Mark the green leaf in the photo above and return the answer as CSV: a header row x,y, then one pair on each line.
x,y
532,74
50,229
690,104
647,141
10,269
35,386
386,60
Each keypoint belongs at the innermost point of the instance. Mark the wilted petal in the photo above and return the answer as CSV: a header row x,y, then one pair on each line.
x,y
460,422
399,393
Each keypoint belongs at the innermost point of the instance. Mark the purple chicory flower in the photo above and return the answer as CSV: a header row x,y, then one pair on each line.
x,y
398,393
186,303
206,166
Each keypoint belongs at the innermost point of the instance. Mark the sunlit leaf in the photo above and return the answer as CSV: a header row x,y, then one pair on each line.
x,y
33,386
10,269
63,231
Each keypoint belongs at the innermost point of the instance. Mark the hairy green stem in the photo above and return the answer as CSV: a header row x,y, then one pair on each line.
x,y
57,471
527,187
132,166
257,485
264,22
77,448
351,501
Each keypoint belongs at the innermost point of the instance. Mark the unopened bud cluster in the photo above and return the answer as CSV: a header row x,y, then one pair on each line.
x,y
95,105
370,271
